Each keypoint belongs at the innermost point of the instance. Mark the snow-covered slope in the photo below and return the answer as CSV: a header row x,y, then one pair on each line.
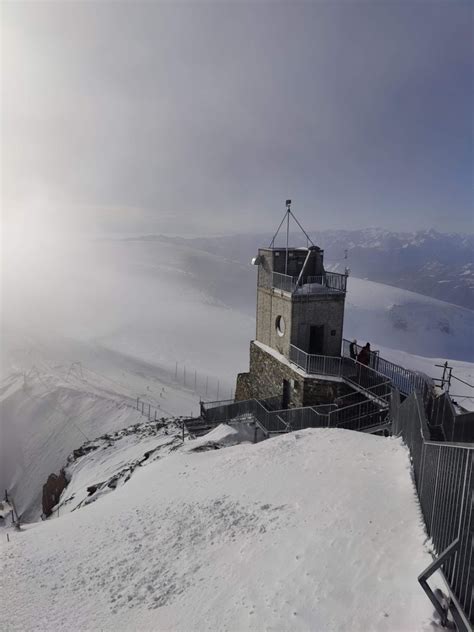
x,y
400,319
46,413
317,530
148,316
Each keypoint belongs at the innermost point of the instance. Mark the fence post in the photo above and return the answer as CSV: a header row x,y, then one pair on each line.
x,y
430,526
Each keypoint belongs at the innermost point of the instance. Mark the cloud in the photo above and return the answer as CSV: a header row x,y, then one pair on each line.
x,y
214,113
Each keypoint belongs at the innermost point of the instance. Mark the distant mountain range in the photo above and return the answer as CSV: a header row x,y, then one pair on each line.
x,y
435,264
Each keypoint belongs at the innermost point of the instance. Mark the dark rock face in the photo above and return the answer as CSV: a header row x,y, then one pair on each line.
x,y
52,491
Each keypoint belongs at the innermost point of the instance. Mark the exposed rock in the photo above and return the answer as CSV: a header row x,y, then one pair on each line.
x,y
52,491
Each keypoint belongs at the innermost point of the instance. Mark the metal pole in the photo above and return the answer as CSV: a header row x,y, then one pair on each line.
x,y
272,243
207,383
176,372
218,389
195,379
450,369
138,402
287,237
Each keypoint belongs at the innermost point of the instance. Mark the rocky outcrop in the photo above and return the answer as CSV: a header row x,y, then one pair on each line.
x,y
52,491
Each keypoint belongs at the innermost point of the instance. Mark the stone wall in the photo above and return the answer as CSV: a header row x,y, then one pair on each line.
x,y
243,388
265,380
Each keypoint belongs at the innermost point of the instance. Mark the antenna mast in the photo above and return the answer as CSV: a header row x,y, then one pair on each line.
x,y
288,211
286,217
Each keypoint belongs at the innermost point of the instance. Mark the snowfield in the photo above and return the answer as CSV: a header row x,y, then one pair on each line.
x,y
391,317
315,530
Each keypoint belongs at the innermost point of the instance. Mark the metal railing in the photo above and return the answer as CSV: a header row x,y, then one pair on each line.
x,y
358,416
312,363
373,382
444,479
331,281
284,282
357,374
270,421
403,379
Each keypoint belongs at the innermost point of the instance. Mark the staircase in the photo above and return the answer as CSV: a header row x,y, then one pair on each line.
x,y
198,426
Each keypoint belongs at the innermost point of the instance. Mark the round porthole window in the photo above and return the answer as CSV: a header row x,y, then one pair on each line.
x,y
280,325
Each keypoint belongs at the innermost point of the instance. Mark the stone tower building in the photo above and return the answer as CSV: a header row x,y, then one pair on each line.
x,y
302,307
300,315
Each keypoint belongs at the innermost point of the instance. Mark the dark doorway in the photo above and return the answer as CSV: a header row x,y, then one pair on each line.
x,y
285,400
316,339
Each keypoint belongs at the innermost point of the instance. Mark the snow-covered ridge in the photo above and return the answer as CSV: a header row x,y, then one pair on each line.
x,y
47,412
291,533
108,462
100,466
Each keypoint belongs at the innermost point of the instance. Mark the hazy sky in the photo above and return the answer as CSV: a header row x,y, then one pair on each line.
x,y
205,117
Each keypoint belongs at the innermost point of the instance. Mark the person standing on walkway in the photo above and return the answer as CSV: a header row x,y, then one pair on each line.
x,y
364,355
353,349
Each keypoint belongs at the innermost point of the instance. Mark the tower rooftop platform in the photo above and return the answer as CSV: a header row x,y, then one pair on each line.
x,y
327,283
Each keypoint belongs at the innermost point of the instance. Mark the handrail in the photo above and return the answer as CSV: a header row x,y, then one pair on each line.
x,y
366,377
333,281
443,475
432,568
404,379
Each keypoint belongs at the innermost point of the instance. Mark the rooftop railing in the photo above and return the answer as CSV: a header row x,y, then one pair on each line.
x,y
330,282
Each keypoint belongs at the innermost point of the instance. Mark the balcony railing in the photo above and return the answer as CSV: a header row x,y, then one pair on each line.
x,y
373,382
328,283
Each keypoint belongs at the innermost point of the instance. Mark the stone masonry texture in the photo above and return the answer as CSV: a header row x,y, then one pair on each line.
x,y
265,380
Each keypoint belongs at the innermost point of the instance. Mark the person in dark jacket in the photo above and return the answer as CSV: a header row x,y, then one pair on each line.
x,y
364,355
